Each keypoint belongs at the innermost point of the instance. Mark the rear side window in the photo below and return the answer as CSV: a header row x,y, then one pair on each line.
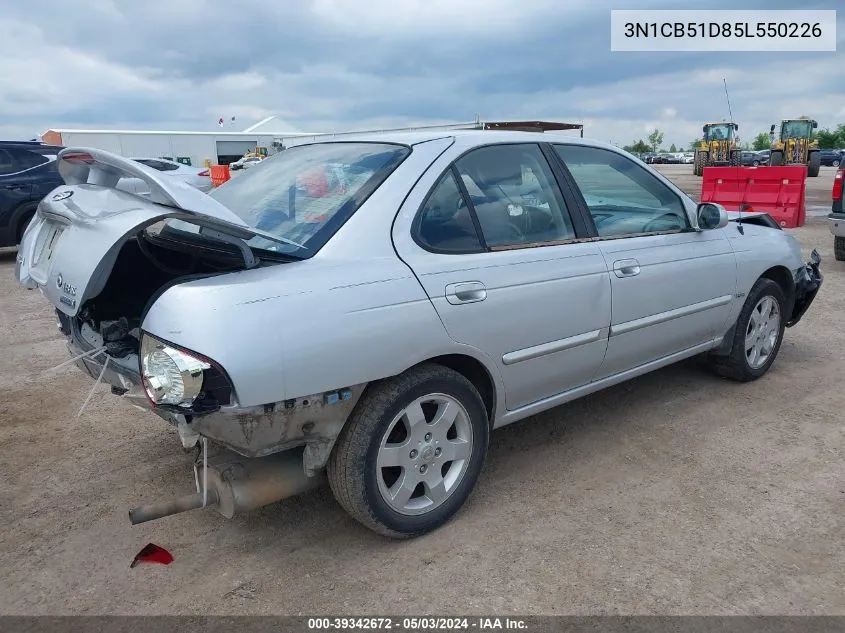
x,y
28,160
8,164
445,221
515,196
13,160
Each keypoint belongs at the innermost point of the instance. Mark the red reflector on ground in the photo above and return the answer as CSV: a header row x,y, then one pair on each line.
x,y
152,553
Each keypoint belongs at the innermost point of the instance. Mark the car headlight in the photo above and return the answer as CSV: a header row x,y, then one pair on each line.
x,y
170,375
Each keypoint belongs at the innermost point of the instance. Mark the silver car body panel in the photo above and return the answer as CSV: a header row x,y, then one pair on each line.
x,y
555,323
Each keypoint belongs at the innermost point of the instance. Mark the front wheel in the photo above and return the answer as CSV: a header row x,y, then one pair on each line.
x,y
776,159
411,452
835,163
757,336
699,163
815,164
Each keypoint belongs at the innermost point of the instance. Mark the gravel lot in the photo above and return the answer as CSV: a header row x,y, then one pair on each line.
x,y
676,493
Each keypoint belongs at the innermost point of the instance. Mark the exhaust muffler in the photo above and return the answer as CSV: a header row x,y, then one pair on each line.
x,y
236,484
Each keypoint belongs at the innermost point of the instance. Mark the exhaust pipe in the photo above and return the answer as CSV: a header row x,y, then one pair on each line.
x,y
237,484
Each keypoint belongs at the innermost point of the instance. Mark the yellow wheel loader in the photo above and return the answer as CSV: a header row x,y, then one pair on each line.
x,y
795,145
718,147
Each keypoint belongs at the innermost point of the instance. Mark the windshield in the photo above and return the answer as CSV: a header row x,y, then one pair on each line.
x,y
796,129
305,193
721,132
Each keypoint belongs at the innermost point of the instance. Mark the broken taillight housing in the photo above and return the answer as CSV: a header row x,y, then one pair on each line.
x,y
837,184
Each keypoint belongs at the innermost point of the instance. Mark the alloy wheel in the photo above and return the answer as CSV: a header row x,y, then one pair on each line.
x,y
424,454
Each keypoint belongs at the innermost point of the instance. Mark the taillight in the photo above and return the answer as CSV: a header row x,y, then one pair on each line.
x,y
837,184
204,173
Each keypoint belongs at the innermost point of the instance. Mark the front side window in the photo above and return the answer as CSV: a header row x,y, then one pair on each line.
x,y
514,196
306,193
623,197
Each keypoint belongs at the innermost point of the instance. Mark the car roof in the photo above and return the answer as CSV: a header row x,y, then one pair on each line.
x,y
32,146
467,138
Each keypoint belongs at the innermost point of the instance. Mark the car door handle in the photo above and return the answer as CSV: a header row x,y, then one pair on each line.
x,y
466,292
16,187
626,268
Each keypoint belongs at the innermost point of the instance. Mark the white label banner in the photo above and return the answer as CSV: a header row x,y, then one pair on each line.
x,y
723,30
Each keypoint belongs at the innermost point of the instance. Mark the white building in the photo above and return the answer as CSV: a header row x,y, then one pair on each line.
x,y
222,147
194,148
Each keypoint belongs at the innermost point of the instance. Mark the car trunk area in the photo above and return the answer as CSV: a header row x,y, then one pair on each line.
x,y
146,266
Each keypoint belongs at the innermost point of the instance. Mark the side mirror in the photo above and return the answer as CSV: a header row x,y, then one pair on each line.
x,y
711,216
772,129
815,124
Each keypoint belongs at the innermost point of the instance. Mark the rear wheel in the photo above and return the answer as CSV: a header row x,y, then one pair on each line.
x,y
815,164
757,336
776,159
411,452
839,248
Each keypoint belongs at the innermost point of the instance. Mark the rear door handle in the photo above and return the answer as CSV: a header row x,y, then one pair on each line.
x,y
466,292
626,268
16,187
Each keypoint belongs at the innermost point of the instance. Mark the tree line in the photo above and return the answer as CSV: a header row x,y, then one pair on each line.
x,y
827,138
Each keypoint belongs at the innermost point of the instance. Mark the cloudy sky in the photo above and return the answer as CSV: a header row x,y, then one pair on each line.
x,y
328,65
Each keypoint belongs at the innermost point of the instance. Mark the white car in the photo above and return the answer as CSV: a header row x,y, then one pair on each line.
x,y
687,158
246,162
197,177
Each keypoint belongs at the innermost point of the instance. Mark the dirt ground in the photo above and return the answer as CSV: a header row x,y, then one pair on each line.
x,y
676,493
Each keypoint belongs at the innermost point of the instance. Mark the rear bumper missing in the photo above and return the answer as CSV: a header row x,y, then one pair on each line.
x,y
808,280
313,421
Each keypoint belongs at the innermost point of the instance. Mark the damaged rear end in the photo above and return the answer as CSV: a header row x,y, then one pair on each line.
x,y
102,257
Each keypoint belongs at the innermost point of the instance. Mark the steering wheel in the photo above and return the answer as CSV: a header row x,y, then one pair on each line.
x,y
516,233
650,225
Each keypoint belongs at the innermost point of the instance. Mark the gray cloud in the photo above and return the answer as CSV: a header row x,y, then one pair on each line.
x,y
329,64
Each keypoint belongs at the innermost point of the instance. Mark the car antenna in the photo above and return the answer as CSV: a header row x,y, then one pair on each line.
x,y
739,226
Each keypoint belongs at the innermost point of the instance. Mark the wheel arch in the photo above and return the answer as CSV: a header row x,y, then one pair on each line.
x,y
782,277
470,368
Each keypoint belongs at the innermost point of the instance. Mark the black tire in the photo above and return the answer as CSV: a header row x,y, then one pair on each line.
x,y
735,365
815,164
25,219
835,163
839,248
776,159
755,163
699,163
353,473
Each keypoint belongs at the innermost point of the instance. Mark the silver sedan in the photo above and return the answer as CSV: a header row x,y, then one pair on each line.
x,y
371,309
